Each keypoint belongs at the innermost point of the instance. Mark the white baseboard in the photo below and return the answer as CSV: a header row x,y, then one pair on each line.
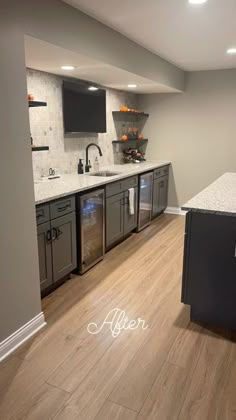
x,y
175,210
15,340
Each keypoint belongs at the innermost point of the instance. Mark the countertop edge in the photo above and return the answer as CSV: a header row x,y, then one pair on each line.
x,y
102,182
209,211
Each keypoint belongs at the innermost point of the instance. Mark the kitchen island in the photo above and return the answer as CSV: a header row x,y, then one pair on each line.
x,y
209,269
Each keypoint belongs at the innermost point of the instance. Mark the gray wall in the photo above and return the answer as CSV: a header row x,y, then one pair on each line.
x,y
19,280
196,130
56,22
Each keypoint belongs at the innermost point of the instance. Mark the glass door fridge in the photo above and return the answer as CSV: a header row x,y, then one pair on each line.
x,y
92,229
145,200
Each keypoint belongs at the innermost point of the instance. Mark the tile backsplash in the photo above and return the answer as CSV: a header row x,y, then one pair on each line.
x,y
46,126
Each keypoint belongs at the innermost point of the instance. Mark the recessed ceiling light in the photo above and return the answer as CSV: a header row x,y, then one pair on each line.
x,y
92,88
197,1
132,86
68,67
231,51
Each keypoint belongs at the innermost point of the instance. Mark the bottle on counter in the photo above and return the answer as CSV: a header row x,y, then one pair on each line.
x,y
96,164
80,167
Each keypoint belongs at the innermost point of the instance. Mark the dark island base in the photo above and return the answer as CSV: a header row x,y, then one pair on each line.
x,y
209,271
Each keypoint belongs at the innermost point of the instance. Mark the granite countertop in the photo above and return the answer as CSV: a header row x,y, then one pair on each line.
x,y
218,197
46,190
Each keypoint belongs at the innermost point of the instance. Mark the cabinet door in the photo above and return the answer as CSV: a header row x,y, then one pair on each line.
x,y
64,253
45,255
114,219
163,194
160,195
130,221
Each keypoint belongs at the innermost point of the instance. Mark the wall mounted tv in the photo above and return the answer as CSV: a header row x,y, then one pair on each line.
x,y
84,110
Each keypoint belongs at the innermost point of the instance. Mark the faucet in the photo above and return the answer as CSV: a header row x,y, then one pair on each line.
x,y
87,165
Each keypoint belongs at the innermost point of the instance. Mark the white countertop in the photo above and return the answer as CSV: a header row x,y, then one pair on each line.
x,y
47,190
218,197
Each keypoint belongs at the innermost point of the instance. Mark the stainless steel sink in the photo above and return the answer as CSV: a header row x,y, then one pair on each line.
x,y
103,173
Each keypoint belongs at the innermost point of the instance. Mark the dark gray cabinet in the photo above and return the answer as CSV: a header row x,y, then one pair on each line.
x,y
63,245
45,255
160,191
114,219
209,270
130,220
57,248
119,221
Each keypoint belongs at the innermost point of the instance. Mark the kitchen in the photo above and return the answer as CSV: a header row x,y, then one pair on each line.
x,y
104,243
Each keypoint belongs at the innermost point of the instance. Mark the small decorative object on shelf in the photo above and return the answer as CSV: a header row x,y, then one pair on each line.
x,y
124,137
133,155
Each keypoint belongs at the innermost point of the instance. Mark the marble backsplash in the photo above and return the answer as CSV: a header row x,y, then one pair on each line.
x,y
46,126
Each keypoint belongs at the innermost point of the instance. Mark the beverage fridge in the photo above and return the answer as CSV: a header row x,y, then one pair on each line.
x,y
145,200
91,229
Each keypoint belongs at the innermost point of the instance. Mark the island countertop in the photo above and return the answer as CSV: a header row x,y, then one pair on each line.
x,y
218,197
47,190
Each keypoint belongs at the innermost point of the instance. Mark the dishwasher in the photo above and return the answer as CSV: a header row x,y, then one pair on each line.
x,y
90,229
145,200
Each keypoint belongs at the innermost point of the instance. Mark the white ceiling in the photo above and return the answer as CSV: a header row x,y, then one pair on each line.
x,y
192,37
43,56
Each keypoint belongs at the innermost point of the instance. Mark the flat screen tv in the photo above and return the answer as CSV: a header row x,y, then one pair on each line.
x,y
84,110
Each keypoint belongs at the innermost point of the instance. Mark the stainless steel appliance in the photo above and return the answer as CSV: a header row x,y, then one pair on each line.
x,y
91,215
145,200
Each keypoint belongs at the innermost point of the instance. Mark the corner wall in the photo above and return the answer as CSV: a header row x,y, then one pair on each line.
x,y
196,130
19,277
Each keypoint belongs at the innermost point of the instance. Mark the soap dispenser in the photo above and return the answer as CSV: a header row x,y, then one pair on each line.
x,y
96,165
80,167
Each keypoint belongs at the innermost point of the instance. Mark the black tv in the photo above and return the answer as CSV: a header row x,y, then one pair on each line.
x,y
84,110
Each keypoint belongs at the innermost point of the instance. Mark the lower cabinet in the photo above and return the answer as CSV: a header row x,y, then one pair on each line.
x,y
56,246
119,221
160,195
63,246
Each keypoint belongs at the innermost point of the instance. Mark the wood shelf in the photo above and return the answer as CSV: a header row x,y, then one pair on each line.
x,y
143,141
129,115
40,148
35,104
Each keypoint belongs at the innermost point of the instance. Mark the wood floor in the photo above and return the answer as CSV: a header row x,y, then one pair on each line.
x,y
173,370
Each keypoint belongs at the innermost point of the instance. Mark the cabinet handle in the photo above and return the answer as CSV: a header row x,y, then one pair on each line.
x,y
67,206
49,236
39,215
59,232
162,184
54,234
235,251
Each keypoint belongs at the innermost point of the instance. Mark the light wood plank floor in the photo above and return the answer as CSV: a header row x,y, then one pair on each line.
x,y
173,370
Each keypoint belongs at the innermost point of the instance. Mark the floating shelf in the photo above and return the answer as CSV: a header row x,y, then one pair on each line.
x,y
130,141
39,148
34,104
127,115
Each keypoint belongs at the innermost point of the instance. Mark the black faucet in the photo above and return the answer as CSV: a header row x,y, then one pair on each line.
x,y
87,165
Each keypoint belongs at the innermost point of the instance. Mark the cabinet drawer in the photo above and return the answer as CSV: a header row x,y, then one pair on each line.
x,y
164,170
42,214
114,188
130,182
61,207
